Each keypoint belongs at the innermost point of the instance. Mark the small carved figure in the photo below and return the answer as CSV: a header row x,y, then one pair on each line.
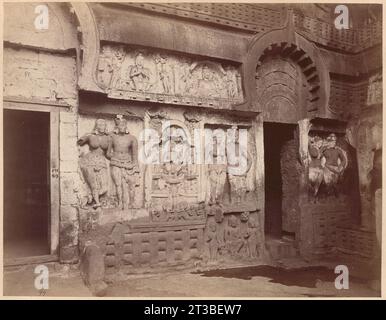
x,y
233,237
253,237
238,178
173,174
164,74
211,239
123,152
139,75
334,165
117,60
93,164
217,174
315,173
231,84
206,86
105,67
220,232
184,76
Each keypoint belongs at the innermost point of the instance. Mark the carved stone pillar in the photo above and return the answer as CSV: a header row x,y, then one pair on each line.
x,y
258,129
305,224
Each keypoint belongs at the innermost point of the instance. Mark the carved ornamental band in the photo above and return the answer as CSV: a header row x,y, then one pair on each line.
x,y
150,76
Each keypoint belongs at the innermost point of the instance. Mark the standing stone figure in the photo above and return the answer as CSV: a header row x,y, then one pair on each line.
x,y
253,237
315,170
117,79
164,74
238,178
123,152
105,67
93,164
217,175
231,85
233,237
334,165
211,239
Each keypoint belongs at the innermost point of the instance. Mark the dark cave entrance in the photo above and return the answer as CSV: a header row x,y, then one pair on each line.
x,y
26,183
276,137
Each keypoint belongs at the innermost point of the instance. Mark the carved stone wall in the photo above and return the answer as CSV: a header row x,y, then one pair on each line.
x,y
39,76
188,212
181,216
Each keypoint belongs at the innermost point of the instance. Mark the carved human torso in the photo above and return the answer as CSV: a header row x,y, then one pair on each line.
x,y
98,144
122,146
123,150
334,157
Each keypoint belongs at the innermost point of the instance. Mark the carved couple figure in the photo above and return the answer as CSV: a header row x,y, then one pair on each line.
x,y
327,163
122,149
222,167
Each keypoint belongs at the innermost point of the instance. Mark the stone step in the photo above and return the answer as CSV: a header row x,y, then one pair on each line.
x,y
280,248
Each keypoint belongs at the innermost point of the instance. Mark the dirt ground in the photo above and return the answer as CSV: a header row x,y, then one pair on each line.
x,y
256,281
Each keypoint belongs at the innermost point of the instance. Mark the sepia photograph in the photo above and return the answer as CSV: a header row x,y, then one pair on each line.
x,y
192,150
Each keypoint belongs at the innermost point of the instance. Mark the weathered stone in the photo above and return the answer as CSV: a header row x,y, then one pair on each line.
x,y
69,254
68,213
92,268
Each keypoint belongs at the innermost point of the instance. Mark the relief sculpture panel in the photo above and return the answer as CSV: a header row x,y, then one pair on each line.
x,y
145,75
328,164
109,168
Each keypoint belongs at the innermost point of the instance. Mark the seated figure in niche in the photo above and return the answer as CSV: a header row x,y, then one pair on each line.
x,y
139,75
206,86
93,164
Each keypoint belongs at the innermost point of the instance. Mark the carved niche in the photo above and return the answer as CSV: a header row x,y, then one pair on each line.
x,y
232,237
146,75
174,186
231,181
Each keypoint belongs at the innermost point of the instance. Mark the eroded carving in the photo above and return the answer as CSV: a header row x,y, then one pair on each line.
x,y
93,164
148,75
123,154
238,169
374,94
327,164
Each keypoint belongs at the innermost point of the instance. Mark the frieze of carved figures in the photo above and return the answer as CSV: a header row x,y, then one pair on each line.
x,y
183,211
123,154
147,75
238,237
327,164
